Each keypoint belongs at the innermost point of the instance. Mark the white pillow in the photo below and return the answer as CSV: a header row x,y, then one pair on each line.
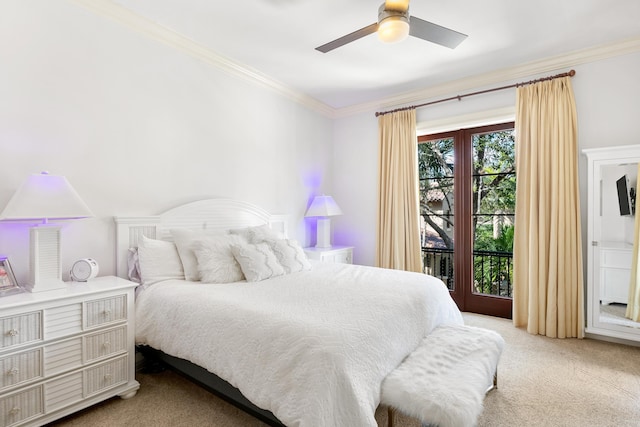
x,y
159,260
216,263
258,262
257,234
290,255
185,239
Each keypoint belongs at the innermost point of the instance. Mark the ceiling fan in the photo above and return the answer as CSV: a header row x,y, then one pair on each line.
x,y
395,24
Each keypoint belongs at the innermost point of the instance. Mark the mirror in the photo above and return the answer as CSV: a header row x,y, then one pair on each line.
x,y
612,177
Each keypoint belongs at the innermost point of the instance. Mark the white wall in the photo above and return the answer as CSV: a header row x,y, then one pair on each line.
x,y
138,127
607,96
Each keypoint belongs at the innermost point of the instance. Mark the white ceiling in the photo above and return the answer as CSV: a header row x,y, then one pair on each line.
x,y
277,38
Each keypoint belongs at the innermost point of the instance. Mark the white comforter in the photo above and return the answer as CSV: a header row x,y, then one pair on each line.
x,y
312,347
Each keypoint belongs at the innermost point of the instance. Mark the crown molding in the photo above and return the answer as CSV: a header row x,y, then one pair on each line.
x,y
162,34
548,65
155,31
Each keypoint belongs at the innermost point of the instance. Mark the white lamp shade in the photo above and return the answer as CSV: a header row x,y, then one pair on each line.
x,y
44,196
323,206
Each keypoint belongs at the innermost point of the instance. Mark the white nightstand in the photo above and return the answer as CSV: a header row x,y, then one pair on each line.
x,y
341,254
67,349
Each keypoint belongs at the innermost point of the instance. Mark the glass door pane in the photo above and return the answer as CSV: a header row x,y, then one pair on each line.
x,y
435,167
493,211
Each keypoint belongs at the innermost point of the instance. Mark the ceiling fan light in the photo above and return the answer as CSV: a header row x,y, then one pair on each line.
x,y
399,5
393,29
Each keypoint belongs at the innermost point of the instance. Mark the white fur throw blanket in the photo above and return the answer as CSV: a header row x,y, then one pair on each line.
x,y
312,347
444,380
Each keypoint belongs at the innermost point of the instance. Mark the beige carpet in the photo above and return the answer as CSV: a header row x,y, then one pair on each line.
x,y
542,382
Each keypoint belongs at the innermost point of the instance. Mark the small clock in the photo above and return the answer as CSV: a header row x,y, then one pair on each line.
x,y
84,269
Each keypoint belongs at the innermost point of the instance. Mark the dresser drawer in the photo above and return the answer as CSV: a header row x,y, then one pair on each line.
x,y
20,367
62,321
63,391
62,356
20,329
616,258
106,375
104,344
21,406
103,311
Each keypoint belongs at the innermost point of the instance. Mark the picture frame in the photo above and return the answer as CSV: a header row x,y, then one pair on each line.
x,y
8,283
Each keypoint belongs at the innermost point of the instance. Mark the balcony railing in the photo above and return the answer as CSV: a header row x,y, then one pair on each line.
x,y
492,271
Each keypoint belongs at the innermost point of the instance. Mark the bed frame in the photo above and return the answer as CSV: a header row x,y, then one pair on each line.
x,y
209,214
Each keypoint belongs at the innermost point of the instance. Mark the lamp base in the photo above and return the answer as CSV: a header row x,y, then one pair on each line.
x,y
48,285
44,261
323,233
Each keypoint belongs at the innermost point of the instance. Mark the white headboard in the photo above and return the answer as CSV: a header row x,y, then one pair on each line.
x,y
209,214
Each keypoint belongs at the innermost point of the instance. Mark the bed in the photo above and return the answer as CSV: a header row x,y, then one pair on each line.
x,y
309,346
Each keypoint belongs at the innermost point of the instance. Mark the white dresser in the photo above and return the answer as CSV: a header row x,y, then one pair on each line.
x,y
64,350
340,254
615,271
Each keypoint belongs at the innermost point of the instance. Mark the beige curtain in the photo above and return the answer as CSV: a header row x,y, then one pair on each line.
x,y
548,286
398,232
633,306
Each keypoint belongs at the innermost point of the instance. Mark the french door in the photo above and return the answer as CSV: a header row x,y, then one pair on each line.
x,y
467,206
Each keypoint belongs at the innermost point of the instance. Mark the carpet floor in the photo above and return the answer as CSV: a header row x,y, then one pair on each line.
x,y
541,382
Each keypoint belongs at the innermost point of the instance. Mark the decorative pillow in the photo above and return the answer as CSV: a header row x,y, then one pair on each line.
x,y
185,239
133,265
216,263
257,234
257,261
159,260
290,255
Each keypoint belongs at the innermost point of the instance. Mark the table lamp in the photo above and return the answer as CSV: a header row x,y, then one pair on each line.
x,y
323,207
45,197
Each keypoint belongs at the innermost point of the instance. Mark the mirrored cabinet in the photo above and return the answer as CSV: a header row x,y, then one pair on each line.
x,y
612,183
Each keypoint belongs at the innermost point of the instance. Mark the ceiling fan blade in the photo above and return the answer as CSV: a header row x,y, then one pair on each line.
x,y
348,38
435,33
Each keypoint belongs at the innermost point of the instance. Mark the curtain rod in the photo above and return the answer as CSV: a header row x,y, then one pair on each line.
x,y
459,97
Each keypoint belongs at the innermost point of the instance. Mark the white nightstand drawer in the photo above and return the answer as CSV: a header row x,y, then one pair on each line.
x,y
21,406
339,254
105,344
106,375
20,368
104,311
344,257
21,329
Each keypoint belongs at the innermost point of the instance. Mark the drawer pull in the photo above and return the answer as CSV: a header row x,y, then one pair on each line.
x,y
14,411
107,377
106,345
13,371
106,313
12,332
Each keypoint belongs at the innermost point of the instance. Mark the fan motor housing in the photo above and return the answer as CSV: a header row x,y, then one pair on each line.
x,y
388,13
